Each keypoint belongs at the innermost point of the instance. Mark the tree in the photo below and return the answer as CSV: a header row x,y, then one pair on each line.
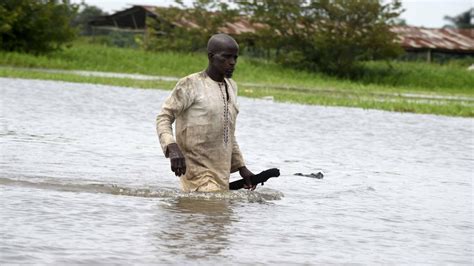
x,y
399,22
188,29
464,20
84,16
329,35
35,26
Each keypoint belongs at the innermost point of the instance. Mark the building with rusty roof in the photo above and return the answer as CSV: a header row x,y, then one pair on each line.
x,y
424,40
131,19
415,40
134,19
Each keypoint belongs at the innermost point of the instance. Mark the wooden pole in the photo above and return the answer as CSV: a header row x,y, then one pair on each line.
x,y
134,21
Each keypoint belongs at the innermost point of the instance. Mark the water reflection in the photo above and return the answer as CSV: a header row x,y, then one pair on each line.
x,y
194,228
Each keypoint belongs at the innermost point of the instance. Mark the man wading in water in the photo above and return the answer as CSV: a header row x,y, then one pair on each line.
x,y
204,105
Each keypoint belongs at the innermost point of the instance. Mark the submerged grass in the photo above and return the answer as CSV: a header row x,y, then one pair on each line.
x,y
378,87
123,82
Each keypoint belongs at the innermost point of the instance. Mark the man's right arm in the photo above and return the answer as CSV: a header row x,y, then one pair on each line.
x,y
179,100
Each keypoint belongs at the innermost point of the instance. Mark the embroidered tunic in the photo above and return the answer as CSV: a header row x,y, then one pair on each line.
x,y
205,117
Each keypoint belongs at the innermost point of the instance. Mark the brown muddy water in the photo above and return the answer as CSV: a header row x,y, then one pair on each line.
x,y
83,180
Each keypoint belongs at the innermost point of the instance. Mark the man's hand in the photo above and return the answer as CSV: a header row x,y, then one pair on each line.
x,y
246,174
178,164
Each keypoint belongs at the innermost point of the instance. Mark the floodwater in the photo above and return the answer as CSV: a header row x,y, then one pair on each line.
x,y
83,180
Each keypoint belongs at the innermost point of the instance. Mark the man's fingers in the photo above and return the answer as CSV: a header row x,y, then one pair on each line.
x,y
175,166
179,171
180,163
248,183
183,166
178,166
250,187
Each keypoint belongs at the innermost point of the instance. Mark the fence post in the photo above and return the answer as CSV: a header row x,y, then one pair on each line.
x,y
428,55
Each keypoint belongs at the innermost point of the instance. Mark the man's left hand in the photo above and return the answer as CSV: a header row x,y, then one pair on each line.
x,y
246,174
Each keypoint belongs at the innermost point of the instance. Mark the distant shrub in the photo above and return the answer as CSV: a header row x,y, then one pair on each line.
x,y
332,36
116,38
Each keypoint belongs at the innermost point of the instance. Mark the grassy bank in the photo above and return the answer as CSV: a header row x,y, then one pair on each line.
x,y
381,88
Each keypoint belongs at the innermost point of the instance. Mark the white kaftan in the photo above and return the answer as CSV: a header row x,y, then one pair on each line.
x,y
205,126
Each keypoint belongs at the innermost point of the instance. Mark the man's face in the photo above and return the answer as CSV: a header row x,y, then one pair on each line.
x,y
225,59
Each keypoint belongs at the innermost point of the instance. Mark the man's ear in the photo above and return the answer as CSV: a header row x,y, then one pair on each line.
x,y
210,55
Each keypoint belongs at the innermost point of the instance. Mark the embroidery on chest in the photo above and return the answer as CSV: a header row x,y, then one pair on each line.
x,y
225,99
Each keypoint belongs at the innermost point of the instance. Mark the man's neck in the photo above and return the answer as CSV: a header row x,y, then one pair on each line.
x,y
214,76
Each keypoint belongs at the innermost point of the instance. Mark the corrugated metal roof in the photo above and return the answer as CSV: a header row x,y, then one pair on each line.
x,y
150,9
241,26
416,38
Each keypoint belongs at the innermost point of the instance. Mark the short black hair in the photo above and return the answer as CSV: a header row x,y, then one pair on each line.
x,y
217,41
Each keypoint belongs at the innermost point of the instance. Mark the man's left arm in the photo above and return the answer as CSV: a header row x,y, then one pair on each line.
x,y
238,164
237,161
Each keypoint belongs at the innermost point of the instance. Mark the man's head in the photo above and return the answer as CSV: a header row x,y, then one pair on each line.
x,y
222,52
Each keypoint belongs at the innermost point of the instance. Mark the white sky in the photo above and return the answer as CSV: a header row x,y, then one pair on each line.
x,y
426,13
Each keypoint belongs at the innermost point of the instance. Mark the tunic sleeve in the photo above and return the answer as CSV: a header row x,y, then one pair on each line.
x,y
178,101
237,159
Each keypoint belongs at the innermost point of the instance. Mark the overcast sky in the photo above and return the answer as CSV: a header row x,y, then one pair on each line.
x,y
425,13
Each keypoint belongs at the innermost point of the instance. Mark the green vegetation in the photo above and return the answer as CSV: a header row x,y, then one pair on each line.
x,y
122,82
441,78
86,56
379,76
34,26
462,21
382,86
